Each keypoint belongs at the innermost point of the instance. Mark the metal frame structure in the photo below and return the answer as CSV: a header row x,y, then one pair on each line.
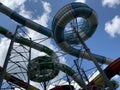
x,y
13,53
106,80
18,66
15,70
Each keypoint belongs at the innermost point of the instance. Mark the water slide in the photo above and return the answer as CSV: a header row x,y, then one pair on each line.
x,y
50,63
74,10
64,16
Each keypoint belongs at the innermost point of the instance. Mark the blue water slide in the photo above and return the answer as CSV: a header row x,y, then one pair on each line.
x,y
64,16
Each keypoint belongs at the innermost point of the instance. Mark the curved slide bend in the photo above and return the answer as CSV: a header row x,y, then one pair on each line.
x,y
36,66
63,16
36,46
49,62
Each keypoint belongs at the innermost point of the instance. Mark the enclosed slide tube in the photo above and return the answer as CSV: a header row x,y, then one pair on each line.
x,y
36,66
46,64
17,81
34,45
26,42
69,12
64,16
43,71
111,70
31,24
25,22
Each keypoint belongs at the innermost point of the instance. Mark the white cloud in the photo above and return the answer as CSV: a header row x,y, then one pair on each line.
x,y
13,4
24,12
113,27
4,44
46,6
110,3
83,1
43,20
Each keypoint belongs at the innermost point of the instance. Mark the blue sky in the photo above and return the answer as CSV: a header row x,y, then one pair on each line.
x,y
105,40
